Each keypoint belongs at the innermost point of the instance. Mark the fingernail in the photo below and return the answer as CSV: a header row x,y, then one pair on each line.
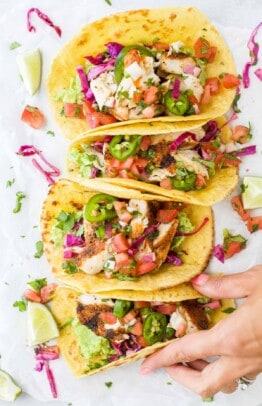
x,y
145,371
200,280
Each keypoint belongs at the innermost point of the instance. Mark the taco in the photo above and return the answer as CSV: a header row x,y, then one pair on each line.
x,y
99,242
101,332
167,64
187,163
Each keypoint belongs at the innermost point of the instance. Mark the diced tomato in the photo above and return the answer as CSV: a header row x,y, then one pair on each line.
x,y
141,162
223,161
33,117
120,243
166,309
149,112
200,181
134,169
47,292
145,143
161,46
146,267
150,94
127,163
240,134
73,110
115,163
139,304
32,296
108,317
130,316
137,97
111,172
237,205
95,118
122,259
121,211
181,330
214,85
254,224
230,80
166,184
105,119
166,216
206,96
203,49
89,109
137,329
233,248
142,342
126,174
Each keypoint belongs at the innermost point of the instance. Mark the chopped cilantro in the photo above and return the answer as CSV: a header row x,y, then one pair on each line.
x,y
70,267
156,39
228,238
108,2
19,197
64,224
49,132
204,300
243,187
210,399
14,45
37,284
9,183
153,235
21,304
39,249
229,310
235,101
122,277
169,383
108,384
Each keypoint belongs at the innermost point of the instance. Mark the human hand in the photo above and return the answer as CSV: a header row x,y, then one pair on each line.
x,y
235,340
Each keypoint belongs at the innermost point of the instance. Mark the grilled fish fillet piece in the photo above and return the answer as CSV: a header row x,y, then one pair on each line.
x,y
194,316
92,258
175,63
193,166
90,316
146,215
161,244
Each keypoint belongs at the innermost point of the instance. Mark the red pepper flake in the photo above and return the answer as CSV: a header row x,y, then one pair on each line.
x,y
43,17
28,150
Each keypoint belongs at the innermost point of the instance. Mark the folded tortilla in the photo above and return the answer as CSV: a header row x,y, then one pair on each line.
x,y
219,185
64,311
70,196
168,25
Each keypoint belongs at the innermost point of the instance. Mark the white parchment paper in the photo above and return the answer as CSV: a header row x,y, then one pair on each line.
x,y
18,232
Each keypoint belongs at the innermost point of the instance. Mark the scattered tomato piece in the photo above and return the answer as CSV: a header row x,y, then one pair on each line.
x,y
146,267
120,243
108,317
229,80
33,117
166,216
241,134
32,296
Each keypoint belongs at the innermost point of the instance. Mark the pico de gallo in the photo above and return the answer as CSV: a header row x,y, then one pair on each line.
x,y
142,82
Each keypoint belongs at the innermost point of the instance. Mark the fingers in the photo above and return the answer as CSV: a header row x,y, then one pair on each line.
x,y
228,286
214,377
195,346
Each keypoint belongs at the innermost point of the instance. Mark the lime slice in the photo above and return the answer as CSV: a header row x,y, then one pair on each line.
x,y
41,324
252,195
30,68
9,391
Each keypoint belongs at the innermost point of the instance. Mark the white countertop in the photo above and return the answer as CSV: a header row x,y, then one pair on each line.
x,y
235,19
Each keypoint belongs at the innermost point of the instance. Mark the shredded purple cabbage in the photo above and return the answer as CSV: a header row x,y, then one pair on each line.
x,y
135,244
69,254
232,118
88,94
43,17
173,259
218,252
94,72
28,150
258,73
96,60
211,131
39,366
251,150
180,233
176,89
51,379
253,52
177,142
94,173
114,49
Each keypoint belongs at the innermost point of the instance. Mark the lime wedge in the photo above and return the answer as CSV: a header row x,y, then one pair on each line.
x,y
9,391
30,68
252,195
41,324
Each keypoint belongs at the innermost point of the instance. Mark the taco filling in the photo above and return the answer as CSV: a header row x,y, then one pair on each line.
x,y
142,82
183,161
109,330
121,238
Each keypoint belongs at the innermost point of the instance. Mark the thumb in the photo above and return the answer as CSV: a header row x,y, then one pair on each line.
x,y
235,286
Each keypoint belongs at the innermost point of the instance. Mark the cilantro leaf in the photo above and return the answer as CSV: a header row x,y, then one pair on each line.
x,y
49,132
21,304
14,45
108,2
37,284
70,267
9,183
108,384
39,249
19,197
